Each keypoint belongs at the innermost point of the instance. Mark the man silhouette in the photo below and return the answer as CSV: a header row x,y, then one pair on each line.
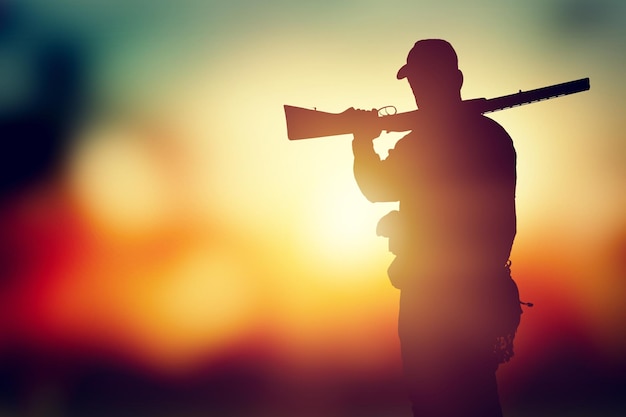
x,y
454,176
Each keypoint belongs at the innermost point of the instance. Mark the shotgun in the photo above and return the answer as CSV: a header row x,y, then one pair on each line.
x,y
305,123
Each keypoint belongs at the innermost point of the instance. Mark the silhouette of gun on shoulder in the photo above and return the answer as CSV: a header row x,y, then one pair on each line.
x,y
305,123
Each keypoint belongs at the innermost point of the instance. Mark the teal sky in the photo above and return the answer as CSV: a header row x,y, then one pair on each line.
x,y
148,41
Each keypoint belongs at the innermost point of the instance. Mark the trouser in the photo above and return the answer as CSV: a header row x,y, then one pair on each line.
x,y
447,354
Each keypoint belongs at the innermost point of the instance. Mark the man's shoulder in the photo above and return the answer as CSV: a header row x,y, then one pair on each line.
x,y
490,125
476,128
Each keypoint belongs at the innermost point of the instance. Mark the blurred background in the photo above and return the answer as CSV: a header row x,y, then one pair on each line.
x,y
166,251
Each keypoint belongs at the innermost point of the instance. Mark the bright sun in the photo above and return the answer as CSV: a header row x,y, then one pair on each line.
x,y
343,225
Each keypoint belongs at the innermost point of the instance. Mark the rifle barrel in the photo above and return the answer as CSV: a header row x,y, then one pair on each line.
x,y
401,122
532,96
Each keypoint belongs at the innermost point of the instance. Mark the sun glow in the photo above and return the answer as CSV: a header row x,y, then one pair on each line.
x,y
343,222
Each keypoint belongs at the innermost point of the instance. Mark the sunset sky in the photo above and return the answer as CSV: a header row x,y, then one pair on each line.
x,y
191,226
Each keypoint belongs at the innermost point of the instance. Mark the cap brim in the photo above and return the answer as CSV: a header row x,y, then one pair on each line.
x,y
402,72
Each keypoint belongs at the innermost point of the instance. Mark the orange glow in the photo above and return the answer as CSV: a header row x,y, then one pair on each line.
x,y
190,252
190,227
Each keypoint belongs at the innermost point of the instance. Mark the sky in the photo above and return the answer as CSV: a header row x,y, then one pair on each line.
x,y
189,227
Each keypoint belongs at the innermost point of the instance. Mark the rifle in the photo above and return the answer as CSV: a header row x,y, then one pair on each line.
x,y
305,123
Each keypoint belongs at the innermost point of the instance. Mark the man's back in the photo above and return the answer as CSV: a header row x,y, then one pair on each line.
x,y
454,177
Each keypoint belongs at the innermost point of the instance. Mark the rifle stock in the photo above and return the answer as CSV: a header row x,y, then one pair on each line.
x,y
305,123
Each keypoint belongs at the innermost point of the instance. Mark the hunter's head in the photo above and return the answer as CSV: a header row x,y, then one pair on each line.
x,y
433,73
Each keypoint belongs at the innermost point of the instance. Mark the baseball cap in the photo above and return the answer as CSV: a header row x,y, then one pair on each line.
x,y
431,54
